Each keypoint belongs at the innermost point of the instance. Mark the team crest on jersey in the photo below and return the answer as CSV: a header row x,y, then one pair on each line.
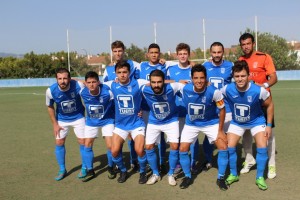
x,y
165,97
222,70
203,100
129,88
101,100
73,95
249,98
255,64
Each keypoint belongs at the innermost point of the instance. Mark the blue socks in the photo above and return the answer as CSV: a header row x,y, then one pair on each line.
x,y
162,149
261,160
173,160
194,148
119,162
232,160
81,149
133,155
185,163
222,162
152,160
60,153
88,157
142,162
110,162
208,149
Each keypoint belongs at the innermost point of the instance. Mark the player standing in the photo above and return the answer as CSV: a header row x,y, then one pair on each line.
x,y
246,100
201,102
263,73
69,112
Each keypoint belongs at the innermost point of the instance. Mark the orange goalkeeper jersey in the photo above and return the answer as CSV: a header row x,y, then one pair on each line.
x,y
260,66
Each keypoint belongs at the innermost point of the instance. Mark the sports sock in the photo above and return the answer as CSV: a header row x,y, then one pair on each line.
x,y
152,160
185,163
194,148
133,155
60,153
119,162
232,160
110,162
173,160
162,149
88,157
261,160
142,162
208,149
222,162
81,149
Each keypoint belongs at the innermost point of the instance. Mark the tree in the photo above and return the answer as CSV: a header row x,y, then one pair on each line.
x,y
284,57
135,53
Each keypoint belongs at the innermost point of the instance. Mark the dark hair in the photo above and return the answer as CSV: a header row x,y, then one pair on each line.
x,y
246,36
198,68
62,70
92,74
182,46
118,44
153,45
158,73
217,44
239,66
121,64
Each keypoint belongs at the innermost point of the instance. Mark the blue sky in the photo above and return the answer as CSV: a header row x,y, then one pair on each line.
x,y
41,25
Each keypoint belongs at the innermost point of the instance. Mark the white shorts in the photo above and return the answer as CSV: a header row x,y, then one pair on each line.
x,y
154,131
190,133
92,132
124,134
228,118
78,127
239,130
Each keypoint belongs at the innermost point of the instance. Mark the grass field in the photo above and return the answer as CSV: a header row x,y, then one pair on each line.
x,y
28,164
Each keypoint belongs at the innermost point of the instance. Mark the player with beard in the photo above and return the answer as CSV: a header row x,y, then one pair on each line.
x,y
163,117
218,74
69,112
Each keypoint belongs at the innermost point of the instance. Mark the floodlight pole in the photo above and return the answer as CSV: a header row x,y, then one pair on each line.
x,y
256,33
204,47
110,41
154,32
68,46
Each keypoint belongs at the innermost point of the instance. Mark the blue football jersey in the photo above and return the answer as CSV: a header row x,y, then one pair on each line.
x,y
110,74
219,76
98,107
201,107
127,99
246,106
162,106
178,73
68,103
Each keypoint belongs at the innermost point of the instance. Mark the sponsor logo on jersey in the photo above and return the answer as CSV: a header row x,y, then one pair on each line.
x,y
60,96
196,111
96,111
68,106
255,64
161,110
147,68
126,104
177,73
218,82
242,112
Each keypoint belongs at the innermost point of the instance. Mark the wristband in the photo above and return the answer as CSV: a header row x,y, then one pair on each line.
x,y
266,85
269,124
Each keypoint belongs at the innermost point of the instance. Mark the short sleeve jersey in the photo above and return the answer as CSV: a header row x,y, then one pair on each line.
x,y
98,107
68,103
201,107
127,99
219,75
178,73
162,106
246,106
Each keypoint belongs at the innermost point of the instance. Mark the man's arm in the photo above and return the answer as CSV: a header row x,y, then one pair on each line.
x,y
56,127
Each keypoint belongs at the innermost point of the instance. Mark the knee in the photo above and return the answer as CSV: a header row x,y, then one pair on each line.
x,y
174,146
59,142
81,141
149,146
183,148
